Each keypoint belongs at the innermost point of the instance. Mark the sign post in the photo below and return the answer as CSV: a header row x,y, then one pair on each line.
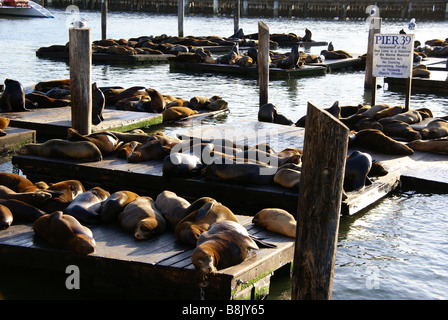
x,y
393,56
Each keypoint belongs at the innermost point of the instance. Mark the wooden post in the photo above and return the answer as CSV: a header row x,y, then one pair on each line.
x,y
80,57
319,205
180,17
369,80
407,103
236,16
104,4
263,62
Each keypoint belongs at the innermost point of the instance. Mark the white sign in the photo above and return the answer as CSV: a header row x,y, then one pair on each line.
x,y
393,55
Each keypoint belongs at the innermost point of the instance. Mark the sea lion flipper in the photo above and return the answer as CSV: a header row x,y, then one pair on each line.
x,y
261,243
202,212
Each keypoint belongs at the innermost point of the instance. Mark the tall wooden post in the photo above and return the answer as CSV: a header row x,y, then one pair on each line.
x,y
369,80
236,16
319,206
104,4
263,62
80,57
180,17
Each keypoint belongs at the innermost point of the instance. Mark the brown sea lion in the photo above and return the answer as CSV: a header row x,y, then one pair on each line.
x,y
411,116
240,172
172,207
45,86
157,147
126,149
141,209
267,112
200,215
437,128
63,193
64,231
399,129
22,211
225,244
44,101
158,103
58,148
6,217
388,112
181,165
198,102
86,206
33,198
106,141
375,140
435,145
13,97
276,220
115,203
357,168
287,178
17,182
134,135
4,122
177,113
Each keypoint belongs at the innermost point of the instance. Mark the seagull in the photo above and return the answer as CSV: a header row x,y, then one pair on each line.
x,y
412,24
81,23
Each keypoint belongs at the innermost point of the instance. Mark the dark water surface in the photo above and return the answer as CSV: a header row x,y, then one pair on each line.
x,y
397,249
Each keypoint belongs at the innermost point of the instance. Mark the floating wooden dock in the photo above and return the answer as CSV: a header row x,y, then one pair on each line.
x,y
106,58
54,122
159,268
436,83
15,138
274,73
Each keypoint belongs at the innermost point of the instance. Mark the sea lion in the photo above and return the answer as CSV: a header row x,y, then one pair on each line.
x,y
216,105
181,165
157,100
63,193
267,112
113,95
240,172
276,220
357,167
177,113
64,231
292,60
43,101
134,135
157,147
399,129
143,209
435,145
16,182
287,178
6,217
86,206
334,110
22,211
200,215
98,104
115,203
198,102
437,128
377,141
126,149
388,112
45,86
411,116
225,244
13,97
4,123
172,207
106,141
58,148
33,198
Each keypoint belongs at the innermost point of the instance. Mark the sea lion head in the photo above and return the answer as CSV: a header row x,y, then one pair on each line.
x,y
83,244
203,260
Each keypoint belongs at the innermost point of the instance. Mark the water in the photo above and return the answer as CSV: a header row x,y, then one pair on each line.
x,y
394,250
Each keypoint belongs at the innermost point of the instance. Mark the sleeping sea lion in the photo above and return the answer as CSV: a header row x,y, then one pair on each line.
x,y
4,123
142,218
276,220
437,128
16,182
45,86
157,100
375,140
156,147
399,129
58,148
177,113
357,167
181,165
200,215
287,178
43,101
22,211
86,206
411,116
32,198
240,172
225,244
106,141
13,97
172,207
6,217
63,193
115,203
64,231
435,145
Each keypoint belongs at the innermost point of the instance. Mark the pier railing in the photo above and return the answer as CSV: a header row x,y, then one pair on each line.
x,y
356,9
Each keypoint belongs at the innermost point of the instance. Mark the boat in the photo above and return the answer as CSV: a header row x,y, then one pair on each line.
x,y
23,8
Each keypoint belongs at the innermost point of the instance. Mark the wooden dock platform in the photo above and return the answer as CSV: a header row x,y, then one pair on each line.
x,y
159,268
274,73
54,122
437,83
15,138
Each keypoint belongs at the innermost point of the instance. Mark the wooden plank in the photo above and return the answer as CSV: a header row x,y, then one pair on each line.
x,y
436,83
102,58
274,73
341,64
15,138
55,121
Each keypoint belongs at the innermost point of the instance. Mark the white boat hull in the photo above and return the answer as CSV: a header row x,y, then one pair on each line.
x,y
34,10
